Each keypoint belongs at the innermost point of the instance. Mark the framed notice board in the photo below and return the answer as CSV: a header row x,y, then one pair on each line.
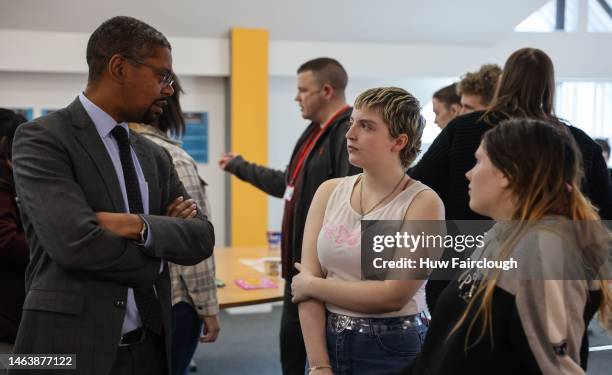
x,y
46,111
195,138
28,113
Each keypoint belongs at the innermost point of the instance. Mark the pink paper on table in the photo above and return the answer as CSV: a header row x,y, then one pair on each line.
x,y
256,283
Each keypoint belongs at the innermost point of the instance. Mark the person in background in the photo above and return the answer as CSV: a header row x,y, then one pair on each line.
x,y
526,90
446,105
477,89
605,151
320,154
13,247
352,325
194,293
531,319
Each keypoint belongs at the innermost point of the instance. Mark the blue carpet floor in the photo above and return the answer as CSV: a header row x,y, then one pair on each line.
x,y
248,344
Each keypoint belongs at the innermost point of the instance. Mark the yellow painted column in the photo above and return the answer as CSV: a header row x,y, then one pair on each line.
x,y
249,132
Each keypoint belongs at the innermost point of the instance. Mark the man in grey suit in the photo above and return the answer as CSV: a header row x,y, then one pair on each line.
x,y
103,210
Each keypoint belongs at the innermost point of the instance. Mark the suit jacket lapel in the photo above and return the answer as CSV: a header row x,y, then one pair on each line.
x,y
87,135
145,158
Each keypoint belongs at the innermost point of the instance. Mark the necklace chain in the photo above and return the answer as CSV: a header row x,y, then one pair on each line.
x,y
380,201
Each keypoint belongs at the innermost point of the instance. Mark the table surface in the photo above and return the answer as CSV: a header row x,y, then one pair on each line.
x,y
229,268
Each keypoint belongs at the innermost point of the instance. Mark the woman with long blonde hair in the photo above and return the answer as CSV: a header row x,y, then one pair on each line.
x,y
533,319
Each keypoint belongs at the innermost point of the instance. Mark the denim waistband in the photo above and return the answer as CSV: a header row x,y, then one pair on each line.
x,y
339,322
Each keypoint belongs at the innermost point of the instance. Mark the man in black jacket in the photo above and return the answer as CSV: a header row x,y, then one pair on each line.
x,y
320,154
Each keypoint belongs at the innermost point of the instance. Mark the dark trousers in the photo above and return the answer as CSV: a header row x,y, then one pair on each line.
x,y
292,349
146,358
186,329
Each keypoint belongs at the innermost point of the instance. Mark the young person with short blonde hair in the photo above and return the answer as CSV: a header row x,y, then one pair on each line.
x,y
373,327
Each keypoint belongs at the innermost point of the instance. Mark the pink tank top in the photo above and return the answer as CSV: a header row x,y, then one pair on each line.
x,y
339,242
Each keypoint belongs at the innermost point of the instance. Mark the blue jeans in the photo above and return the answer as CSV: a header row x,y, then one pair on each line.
x,y
386,346
186,329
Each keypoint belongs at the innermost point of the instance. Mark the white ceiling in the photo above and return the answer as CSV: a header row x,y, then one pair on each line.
x,y
383,21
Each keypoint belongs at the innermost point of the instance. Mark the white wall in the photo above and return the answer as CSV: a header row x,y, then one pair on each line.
x,y
576,55
34,67
62,52
56,90
40,90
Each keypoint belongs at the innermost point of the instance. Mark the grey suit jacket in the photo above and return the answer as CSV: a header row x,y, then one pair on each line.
x,y
78,276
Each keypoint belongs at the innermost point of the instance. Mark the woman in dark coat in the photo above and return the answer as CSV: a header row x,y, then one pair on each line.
x,y
13,247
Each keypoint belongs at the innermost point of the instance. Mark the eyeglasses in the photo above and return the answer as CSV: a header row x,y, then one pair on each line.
x,y
167,75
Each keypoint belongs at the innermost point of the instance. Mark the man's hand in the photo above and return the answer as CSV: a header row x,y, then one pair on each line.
x,y
225,159
211,328
121,224
185,209
129,225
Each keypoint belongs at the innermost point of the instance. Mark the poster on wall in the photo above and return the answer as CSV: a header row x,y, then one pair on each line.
x,y
195,138
28,113
46,111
